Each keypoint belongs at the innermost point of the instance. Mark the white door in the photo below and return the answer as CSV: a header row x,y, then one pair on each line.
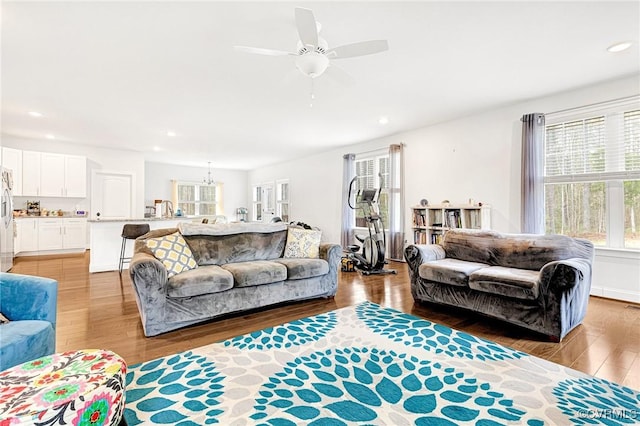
x,y
268,202
111,195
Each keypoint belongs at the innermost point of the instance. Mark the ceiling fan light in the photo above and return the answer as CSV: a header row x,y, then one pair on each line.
x,y
312,64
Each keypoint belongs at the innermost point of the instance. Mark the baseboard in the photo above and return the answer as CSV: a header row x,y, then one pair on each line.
x,y
627,296
49,252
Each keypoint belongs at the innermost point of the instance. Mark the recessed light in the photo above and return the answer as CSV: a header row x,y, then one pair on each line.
x,y
619,47
35,114
383,120
171,134
50,137
156,148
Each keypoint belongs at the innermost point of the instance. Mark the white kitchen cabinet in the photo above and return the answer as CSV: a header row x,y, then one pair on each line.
x,y
27,234
75,176
30,173
52,175
12,159
45,174
74,234
50,234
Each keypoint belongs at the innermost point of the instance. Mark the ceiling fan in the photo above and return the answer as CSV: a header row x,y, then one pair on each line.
x,y
313,54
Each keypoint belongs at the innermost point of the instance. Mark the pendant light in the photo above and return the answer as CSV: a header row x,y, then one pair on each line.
x,y
208,180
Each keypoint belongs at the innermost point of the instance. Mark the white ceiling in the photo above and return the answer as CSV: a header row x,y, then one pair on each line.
x,y
121,74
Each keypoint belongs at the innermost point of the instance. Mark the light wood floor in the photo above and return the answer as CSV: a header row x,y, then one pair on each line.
x,y
99,311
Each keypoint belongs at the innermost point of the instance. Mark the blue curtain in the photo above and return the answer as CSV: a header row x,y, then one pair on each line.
x,y
348,214
396,202
532,212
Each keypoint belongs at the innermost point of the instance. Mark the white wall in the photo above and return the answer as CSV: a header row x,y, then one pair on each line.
x,y
97,159
158,183
472,157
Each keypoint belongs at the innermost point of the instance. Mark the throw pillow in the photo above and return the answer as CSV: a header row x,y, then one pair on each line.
x,y
174,253
302,243
3,319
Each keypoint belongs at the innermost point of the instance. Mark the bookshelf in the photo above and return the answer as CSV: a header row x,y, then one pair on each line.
x,y
431,222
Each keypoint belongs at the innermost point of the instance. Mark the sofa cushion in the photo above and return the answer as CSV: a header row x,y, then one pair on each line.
x,y
203,280
509,282
24,341
304,268
257,272
523,251
449,271
174,253
219,244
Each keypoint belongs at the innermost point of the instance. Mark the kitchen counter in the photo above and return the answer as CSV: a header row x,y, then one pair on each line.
x,y
66,216
146,219
106,239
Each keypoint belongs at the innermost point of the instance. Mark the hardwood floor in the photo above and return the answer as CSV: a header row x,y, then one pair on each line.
x,y
99,311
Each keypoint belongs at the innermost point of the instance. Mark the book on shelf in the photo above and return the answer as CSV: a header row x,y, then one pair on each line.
x,y
420,237
436,238
453,219
419,218
474,219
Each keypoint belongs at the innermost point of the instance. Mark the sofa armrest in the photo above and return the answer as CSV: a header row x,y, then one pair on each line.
x,y
27,297
149,277
417,254
330,252
563,275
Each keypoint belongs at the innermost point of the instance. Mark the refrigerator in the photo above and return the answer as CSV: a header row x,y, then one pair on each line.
x,y
6,221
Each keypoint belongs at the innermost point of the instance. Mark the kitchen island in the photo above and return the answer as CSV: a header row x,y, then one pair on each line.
x,y
106,240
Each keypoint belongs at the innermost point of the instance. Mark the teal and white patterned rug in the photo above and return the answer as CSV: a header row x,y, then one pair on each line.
x,y
368,365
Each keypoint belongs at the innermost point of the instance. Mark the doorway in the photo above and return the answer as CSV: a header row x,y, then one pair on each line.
x,y
112,194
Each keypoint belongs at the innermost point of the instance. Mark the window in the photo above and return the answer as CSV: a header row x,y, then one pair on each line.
x,y
197,199
263,201
256,200
592,176
373,173
282,200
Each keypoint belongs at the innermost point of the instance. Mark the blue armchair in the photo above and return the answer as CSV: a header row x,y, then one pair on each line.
x,y
29,303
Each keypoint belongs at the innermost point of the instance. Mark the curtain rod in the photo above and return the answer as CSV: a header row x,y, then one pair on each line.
x,y
376,150
597,104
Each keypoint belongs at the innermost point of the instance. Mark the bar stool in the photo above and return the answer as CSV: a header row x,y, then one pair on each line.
x,y
130,232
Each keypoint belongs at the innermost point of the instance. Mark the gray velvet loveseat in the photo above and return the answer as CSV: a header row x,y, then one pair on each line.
x,y
240,266
540,282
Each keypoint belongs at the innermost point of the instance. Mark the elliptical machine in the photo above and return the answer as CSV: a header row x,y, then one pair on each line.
x,y
372,258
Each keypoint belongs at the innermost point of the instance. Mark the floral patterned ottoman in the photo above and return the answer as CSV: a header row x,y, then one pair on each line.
x,y
71,388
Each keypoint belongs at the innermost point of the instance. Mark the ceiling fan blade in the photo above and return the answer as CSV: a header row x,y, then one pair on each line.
x,y
339,75
261,51
307,28
358,49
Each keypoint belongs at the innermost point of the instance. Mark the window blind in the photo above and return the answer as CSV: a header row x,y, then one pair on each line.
x,y
365,172
631,132
587,149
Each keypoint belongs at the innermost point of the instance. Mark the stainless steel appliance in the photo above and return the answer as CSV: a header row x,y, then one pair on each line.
x,y
6,218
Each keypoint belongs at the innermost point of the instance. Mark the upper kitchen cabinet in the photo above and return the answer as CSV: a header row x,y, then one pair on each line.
x,y
75,176
12,159
30,173
54,175
51,175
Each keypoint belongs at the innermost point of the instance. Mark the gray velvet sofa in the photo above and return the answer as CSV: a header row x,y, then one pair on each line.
x,y
240,267
540,282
